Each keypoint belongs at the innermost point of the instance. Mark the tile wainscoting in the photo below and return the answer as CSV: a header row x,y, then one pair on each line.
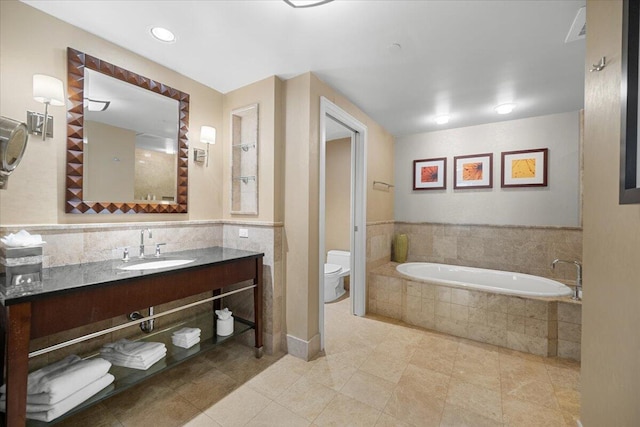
x,y
536,326
84,243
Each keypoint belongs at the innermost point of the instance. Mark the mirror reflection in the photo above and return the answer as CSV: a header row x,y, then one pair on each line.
x,y
130,142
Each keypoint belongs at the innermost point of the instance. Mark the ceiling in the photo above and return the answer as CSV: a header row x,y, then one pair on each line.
x,y
460,58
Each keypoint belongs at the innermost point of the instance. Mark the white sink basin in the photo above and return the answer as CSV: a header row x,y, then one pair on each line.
x,y
150,265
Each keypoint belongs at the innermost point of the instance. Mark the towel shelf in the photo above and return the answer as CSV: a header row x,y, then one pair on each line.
x,y
127,378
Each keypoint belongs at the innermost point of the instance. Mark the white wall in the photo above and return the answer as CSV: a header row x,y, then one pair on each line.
x,y
558,204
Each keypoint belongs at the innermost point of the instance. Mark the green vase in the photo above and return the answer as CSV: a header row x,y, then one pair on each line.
x,y
400,248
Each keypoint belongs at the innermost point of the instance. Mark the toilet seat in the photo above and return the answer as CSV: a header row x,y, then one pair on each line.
x,y
331,268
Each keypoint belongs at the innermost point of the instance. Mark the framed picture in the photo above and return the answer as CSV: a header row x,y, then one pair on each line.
x,y
474,171
629,159
430,174
525,168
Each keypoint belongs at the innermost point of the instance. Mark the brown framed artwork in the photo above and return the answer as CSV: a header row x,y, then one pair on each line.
x,y
430,174
473,171
525,168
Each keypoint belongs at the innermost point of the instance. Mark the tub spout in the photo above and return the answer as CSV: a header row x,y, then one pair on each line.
x,y
578,289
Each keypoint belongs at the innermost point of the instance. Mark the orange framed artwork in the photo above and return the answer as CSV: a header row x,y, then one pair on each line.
x,y
430,174
525,168
474,171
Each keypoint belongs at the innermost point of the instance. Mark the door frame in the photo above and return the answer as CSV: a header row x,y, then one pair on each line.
x,y
358,208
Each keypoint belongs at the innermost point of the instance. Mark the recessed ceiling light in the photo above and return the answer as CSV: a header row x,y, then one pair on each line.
x,y
163,34
505,108
306,3
442,120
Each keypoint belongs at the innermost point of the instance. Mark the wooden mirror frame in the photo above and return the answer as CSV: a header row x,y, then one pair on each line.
x,y
74,202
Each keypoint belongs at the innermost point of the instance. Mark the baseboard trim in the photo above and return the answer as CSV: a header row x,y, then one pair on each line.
x,y
305,350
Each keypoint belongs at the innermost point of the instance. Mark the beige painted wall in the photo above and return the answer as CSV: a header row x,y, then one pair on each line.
x,y
37,187
267,94
338,197
302,189
611,305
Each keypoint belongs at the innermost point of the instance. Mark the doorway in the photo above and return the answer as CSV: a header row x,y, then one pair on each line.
x,y
333,117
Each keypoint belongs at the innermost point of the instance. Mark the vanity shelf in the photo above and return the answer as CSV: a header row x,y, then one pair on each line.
x,y
127,378
93,292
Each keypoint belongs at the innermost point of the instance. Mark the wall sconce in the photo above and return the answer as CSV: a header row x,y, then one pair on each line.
x,y
49,91
207,136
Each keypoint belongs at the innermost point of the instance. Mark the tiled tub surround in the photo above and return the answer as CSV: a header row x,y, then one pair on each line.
x,y
83,243
525,324
519,249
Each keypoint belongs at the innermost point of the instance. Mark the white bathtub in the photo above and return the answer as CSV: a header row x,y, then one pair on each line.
x,y
503,282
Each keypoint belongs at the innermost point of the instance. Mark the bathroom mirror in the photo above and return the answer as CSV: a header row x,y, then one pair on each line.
x,y
13,143
244,160
127,149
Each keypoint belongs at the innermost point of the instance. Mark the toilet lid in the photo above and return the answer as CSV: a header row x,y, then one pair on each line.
x,y
331,268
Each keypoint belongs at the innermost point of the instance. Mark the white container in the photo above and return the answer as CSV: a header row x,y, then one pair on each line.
x,y
224,327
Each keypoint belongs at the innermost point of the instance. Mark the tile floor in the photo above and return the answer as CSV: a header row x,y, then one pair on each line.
x,y
376,372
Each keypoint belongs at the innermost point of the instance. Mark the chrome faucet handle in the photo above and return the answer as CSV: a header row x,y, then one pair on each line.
x,y
158,248
125,254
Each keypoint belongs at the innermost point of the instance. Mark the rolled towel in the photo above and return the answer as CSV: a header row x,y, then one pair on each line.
x,y
66,380
65,405
35,377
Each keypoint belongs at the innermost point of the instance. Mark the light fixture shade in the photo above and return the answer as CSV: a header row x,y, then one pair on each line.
x,y
505,108
208,135
48,90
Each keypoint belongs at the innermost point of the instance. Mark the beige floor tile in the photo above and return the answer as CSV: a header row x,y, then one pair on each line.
x,y
275,415
519,369
202,420
385,366
96,416
477,371
480,400
344,411
207,389
564,377
333,372
522,414
369,389
434,361
238,408
419,397
306,398
568,400
456,416
274,381
387,420
151,403
528,390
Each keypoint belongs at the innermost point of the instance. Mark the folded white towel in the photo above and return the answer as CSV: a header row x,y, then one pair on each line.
x,y
132,348
186,343
187,333
35,377
67,404
135,362
57,384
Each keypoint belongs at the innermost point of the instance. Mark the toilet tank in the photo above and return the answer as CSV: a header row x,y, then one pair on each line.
x,y
341,258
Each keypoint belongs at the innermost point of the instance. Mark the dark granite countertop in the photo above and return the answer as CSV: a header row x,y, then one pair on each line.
x,y
56,280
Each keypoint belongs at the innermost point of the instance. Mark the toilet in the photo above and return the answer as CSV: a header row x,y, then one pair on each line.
x,y
338,266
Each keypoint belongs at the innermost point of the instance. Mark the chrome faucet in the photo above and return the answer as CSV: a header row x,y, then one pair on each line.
x,y
578,288
142,240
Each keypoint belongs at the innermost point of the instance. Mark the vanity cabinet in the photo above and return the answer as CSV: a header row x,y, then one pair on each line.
x,y
78,295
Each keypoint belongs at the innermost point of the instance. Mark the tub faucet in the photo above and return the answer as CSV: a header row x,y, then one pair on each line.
x,y
578,288
142,240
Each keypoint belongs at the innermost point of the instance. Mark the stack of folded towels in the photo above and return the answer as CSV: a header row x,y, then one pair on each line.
x,y
186,337
133,354
56,389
